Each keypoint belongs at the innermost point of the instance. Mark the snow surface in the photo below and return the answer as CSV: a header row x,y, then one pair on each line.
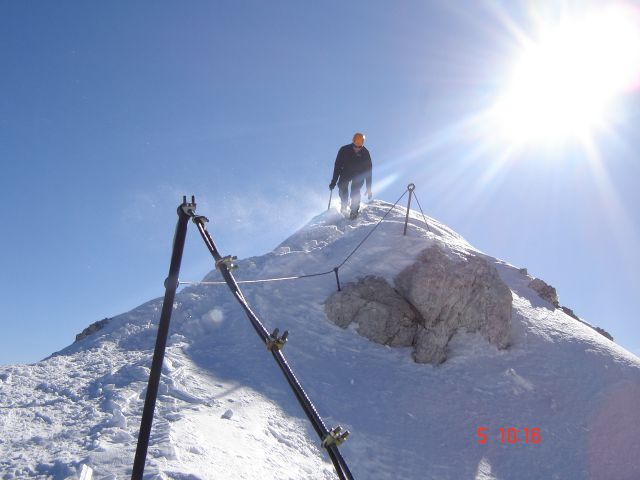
x,y
225,412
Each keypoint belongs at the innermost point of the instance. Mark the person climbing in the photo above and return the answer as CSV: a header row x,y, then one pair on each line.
x,y
353,164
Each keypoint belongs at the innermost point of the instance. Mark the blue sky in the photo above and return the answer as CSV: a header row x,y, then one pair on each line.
x,y
111,111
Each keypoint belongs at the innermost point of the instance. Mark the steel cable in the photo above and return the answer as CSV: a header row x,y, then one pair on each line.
x,y
296,277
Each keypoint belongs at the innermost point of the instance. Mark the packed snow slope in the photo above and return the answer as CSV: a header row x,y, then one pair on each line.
x,y
225,412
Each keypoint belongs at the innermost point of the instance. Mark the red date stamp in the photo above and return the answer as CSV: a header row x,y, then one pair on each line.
x,y
512,435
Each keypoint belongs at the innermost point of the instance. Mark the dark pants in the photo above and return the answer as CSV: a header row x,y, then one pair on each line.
x,y
343,189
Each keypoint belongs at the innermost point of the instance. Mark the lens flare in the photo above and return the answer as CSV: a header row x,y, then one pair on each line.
x,y
565,83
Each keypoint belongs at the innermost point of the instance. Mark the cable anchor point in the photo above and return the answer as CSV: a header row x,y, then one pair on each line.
x,y
411,187
275,342
200,219
335,437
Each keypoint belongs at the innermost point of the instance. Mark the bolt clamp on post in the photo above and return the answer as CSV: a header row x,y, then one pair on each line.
x,y
200,219
335,437
227,262
275,342
188,208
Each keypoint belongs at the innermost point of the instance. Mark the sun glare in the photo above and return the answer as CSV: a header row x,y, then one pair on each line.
x,y
564,83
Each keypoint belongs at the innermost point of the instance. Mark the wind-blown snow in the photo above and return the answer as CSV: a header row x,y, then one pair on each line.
x,y
225,412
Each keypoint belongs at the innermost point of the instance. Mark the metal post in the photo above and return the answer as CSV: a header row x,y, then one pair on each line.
x,y
411,187
335,270
185,212
331,439
330,195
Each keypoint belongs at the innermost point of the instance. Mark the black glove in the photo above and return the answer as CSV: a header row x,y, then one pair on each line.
x,y
332,186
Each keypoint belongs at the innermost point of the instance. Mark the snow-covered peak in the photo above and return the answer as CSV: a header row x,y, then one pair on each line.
x,y
331,225
224,410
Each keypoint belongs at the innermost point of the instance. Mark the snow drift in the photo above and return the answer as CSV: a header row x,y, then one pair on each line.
x,y
225,412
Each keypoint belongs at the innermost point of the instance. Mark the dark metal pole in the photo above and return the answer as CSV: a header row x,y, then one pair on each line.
x,y
330,195
330,439
411,187
185,212
335,270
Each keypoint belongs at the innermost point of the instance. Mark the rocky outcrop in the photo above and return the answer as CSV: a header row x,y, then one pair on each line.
x,y
433,299
570,312
548,293
545,291
378,311
601,331
453,292
91,329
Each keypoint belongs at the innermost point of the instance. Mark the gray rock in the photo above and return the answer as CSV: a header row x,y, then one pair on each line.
x,y
600,330
603,332
455,292
381,314
433,299
545,291
570,312
91,329
431,345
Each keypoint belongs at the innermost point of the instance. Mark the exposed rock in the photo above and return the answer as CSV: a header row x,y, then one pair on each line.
x,y
431,344
454,293
570,312
433,299
91,329
380,312
548,293
545,291
601,331
523,271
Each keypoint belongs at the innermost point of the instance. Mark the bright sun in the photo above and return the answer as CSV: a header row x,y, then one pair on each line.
x,y
563,85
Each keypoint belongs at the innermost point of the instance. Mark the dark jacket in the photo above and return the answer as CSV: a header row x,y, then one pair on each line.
x,y
351,164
